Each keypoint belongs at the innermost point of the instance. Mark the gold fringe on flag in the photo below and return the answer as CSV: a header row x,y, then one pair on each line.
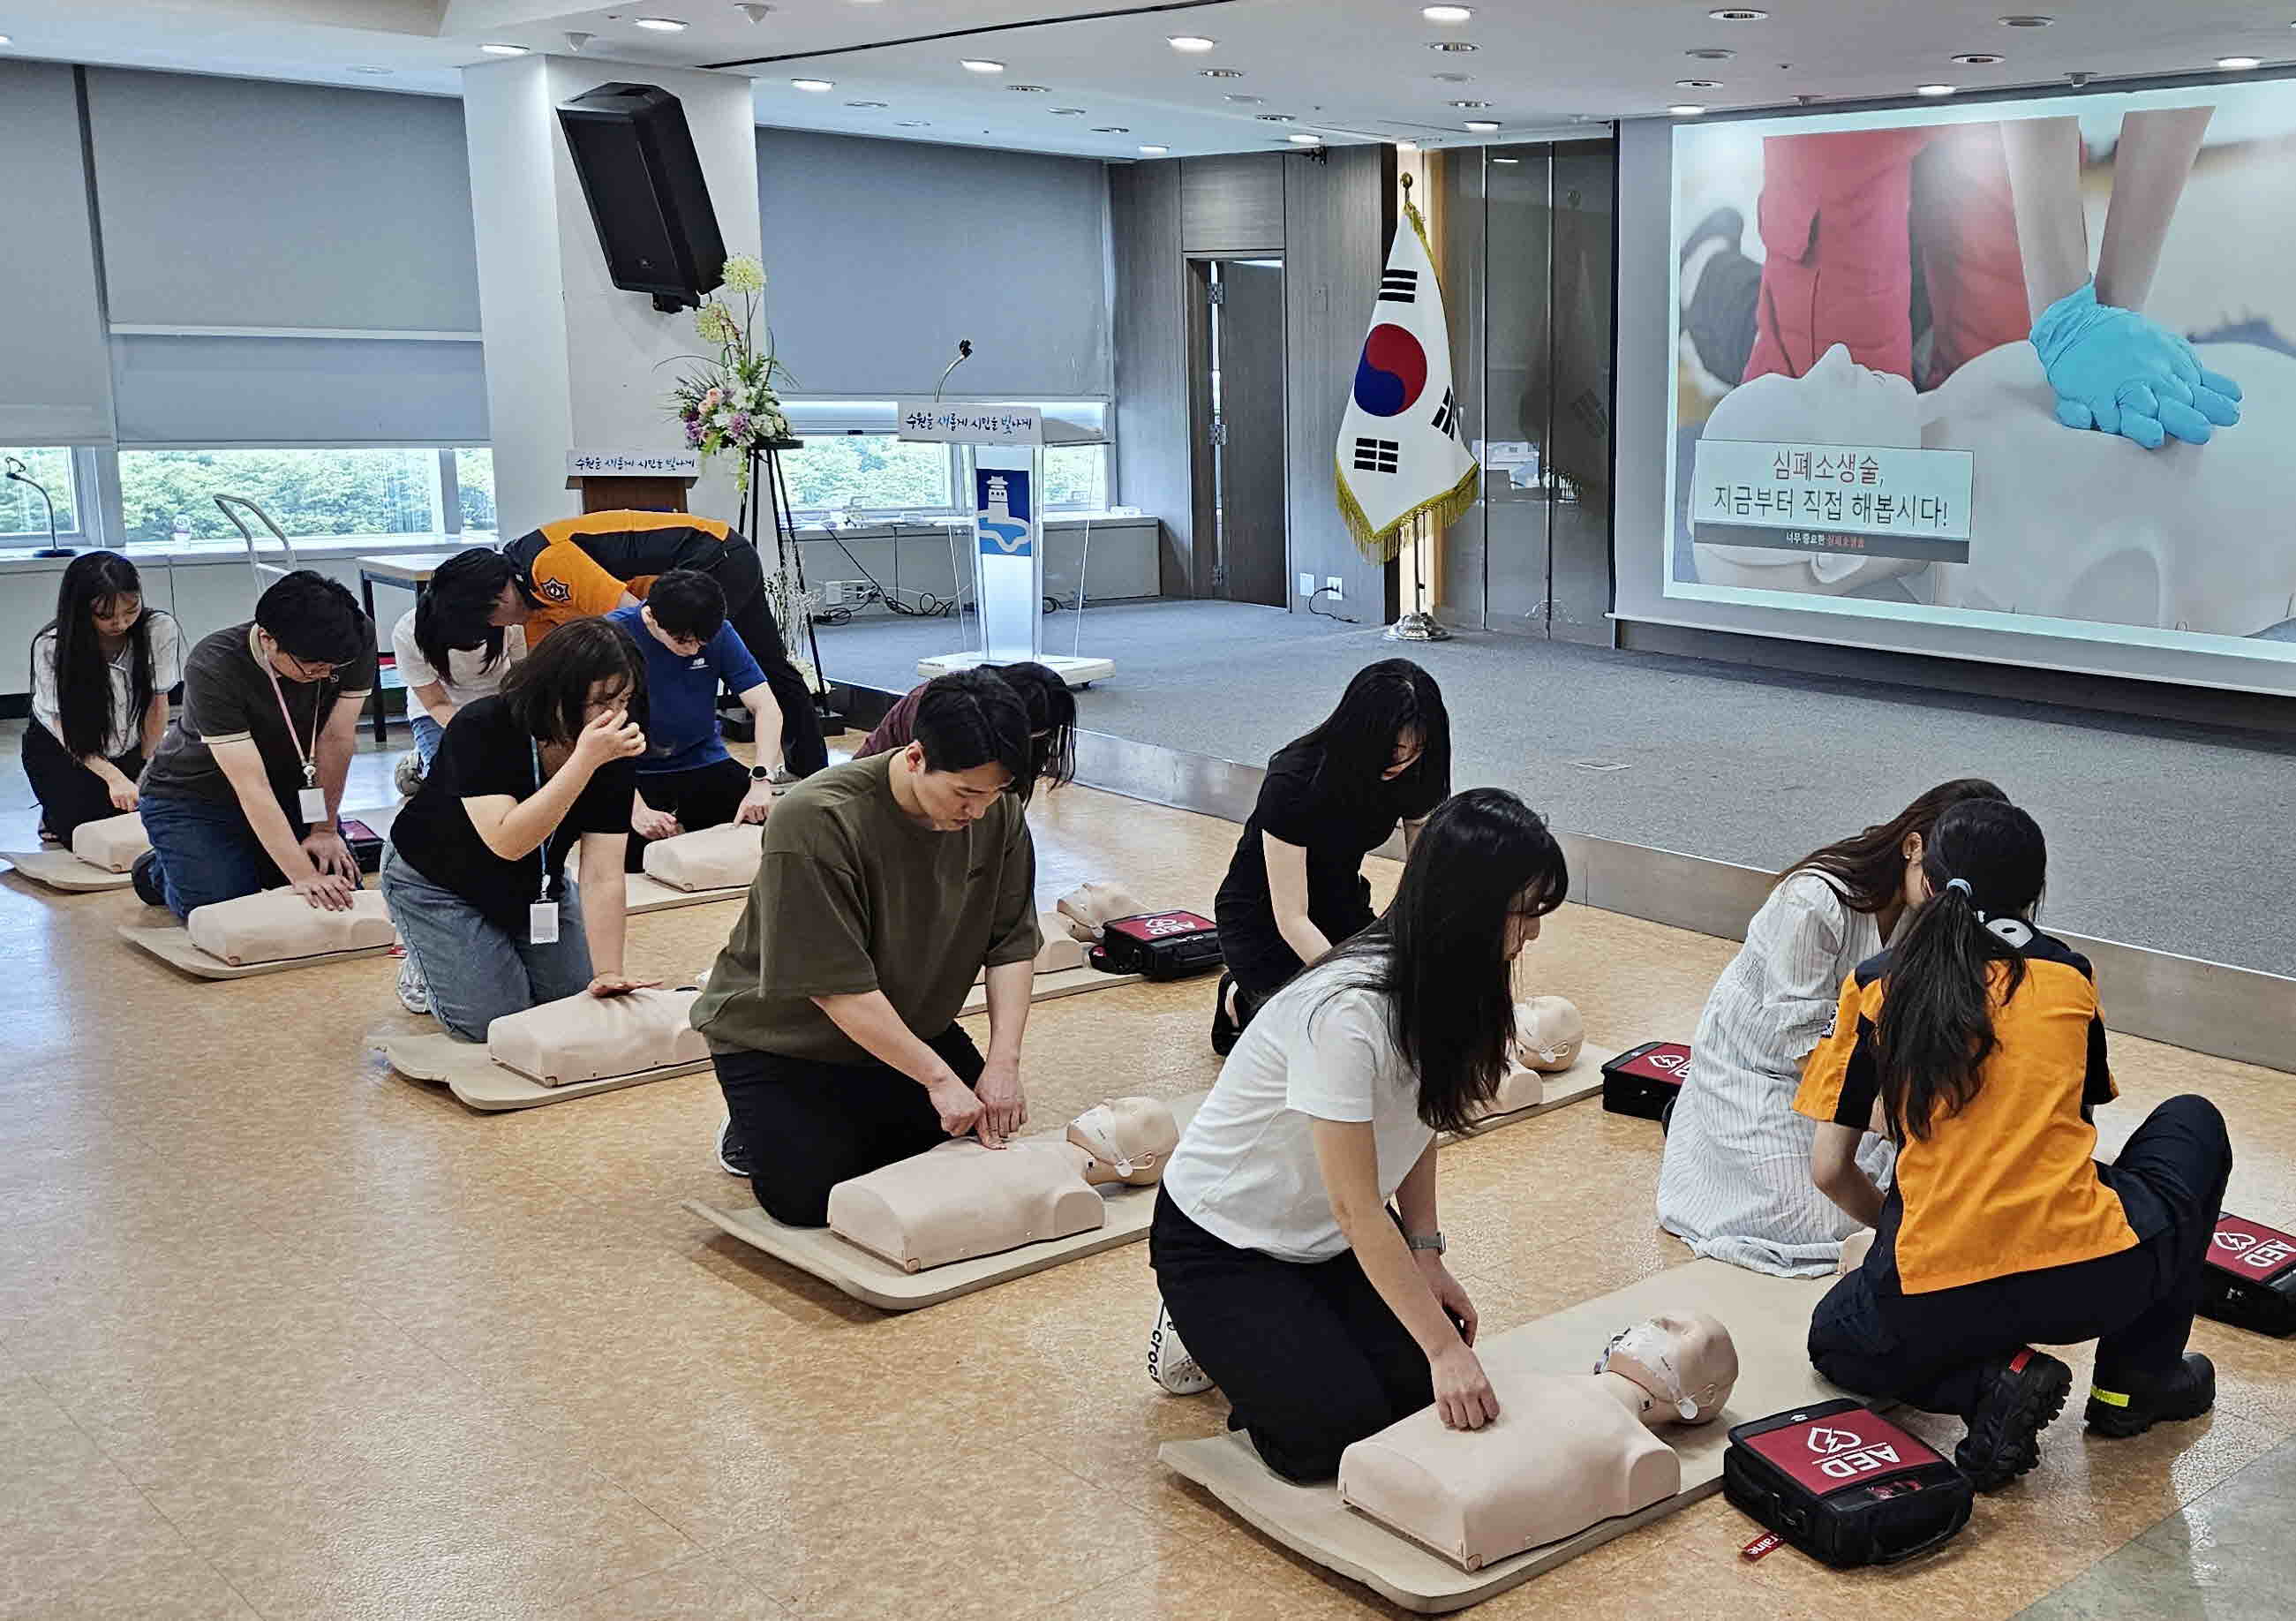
x,y
1385,545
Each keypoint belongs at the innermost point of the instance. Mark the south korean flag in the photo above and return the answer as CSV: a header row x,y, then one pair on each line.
x,y
1401,457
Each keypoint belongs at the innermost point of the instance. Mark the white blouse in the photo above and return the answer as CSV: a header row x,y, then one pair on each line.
x,y
1735,1182
126,718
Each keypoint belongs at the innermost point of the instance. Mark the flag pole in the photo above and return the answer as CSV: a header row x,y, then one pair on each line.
x,y
1420,624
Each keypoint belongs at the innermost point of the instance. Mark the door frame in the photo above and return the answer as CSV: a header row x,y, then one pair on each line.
x,y
1208,552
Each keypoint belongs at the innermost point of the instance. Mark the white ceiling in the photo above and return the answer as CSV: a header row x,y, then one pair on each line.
x,y
1346,69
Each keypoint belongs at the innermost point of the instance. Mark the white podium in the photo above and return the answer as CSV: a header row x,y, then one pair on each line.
x,y
1003,479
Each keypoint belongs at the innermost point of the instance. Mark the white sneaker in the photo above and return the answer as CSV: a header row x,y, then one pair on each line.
x,y
1169,1362
406,776
413,995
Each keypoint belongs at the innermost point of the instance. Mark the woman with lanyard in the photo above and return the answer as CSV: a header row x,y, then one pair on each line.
x,y
244,790
1321,1314
100,673
1295,885
1735,1183
474,873
1976,1045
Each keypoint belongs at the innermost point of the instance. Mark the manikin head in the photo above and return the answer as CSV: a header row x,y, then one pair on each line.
x,y
1684,1362
1089,907
1130,1139
1548,1033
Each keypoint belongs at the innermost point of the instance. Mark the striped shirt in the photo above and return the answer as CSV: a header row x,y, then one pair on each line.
x,y
1735,1182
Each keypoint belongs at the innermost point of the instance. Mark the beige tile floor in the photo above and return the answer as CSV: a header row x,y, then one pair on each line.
x,y
283,1335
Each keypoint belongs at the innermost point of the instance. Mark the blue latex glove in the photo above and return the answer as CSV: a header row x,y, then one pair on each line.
x,y
2119,373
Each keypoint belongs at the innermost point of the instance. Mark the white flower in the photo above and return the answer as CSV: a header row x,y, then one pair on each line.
x,y
745,273
724,419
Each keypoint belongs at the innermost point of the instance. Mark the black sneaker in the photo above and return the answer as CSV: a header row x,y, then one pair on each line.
x,y
144,878
733,1158
2023,1393
2188,1394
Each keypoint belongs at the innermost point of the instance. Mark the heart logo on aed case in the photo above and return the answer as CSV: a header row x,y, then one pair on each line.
x,y
1827,1442
2235,1241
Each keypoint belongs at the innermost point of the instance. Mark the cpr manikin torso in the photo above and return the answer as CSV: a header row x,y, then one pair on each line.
x,y
724,857
1057,954
1086,909
1548,1033
278,925
589,1037
1566,1451
113,844
961,1201
2066,524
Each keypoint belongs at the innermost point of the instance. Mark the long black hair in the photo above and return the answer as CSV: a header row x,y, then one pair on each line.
x,y
548,690
1051,721
83,683
1357,739
1985,859
1869,867
1439,953
457,608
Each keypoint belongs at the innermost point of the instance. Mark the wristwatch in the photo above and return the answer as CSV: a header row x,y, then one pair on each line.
x,y
1434,1242
761,774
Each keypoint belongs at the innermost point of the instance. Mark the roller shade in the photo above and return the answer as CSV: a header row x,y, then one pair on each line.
x,y
883,253
55,384
298,391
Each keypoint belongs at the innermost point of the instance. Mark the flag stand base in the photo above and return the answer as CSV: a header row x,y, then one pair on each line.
x,y
1416,627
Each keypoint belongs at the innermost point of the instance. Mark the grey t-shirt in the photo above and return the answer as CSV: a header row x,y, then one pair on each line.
x,y
228,698
852,896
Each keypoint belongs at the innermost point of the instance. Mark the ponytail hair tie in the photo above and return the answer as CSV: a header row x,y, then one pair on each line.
x,y
1963,885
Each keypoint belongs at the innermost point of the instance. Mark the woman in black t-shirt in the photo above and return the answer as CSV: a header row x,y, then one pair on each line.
x,y
474,875
1295,888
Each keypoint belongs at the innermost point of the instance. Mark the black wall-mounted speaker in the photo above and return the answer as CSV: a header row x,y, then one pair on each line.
x,y
643,181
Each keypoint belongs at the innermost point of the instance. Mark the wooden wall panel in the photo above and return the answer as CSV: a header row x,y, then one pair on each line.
x,y
1234,205
1153,460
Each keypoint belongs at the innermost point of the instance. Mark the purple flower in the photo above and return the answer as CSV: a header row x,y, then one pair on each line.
x,y
738,428
692,431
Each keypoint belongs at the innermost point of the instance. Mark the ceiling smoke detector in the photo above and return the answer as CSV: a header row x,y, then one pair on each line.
x,y
754,12
1979,59
575,40
1698,83
1220,72
1739,14
1452,46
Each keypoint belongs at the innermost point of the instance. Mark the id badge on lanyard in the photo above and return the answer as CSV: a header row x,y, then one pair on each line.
x,y
311,802
542,913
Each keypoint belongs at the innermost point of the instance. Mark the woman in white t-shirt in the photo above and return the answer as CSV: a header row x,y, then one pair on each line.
x,y
1735,1184
1323,1316
456,644
100,673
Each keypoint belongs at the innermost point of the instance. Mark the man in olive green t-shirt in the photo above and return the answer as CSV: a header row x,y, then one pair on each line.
x,y
886,886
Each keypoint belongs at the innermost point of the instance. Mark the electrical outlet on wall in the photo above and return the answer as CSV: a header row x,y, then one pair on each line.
x,y
1307,585
1332,585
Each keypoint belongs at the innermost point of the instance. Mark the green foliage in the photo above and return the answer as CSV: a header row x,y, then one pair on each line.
x,y
21,510
307,492
877,469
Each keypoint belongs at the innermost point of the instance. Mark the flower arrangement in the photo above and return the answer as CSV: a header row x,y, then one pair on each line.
x,y
729,403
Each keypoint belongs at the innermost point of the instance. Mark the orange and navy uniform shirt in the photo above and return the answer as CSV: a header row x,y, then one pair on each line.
x,y
2009,1184
581,567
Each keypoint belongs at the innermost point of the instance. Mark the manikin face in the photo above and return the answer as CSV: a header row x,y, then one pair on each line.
x,y
685,646
1548,1033
115,616
951,801
1678,1355
1138,1133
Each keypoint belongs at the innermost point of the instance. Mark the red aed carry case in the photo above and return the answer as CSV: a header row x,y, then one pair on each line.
x,y
2251,1276
365,844
1844,1485
1158,945
1644,1080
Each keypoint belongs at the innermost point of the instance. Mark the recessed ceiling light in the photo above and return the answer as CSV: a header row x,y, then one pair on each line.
x,y
981,64
1481,126
373,72
815,84
1406,146
1446,13
1977,59
1698,83
1221,72
914,124
1933,89
5,40
1739,14
1192,43
1452,46
491,50
1710,54
866,104
1030,89
661,25
1455,78
1507,159
1274,118
1246,101
1305,139
1111,129
2027,22
1686,110
1068,112
1471,106
2239,64
1154,151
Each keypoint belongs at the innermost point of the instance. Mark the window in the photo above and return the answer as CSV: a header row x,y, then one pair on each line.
x,y
23,516
869,472
1075,476
474,480
169,495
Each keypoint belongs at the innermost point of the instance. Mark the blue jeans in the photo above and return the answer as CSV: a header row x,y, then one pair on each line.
x,y
207,853
477,972
427,733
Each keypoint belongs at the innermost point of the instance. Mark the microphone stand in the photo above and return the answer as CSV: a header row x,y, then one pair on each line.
x,y
18,473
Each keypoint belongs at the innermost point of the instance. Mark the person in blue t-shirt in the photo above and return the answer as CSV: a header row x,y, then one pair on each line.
x,y
688,780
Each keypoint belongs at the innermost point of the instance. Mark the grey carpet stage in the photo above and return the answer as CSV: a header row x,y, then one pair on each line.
x,y
2168,836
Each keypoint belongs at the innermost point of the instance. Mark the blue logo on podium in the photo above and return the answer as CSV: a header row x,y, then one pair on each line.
x,y
1001,509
